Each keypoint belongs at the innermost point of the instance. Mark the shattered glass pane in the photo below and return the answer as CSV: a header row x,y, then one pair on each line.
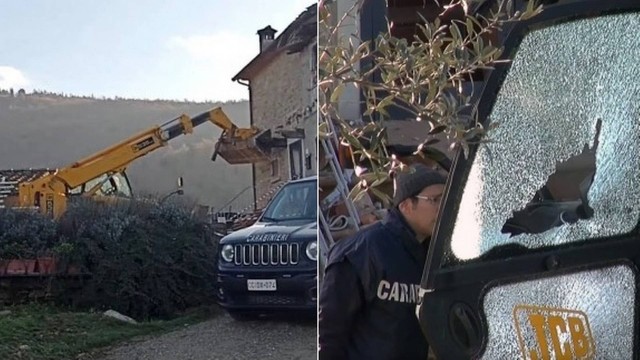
x,y
569,111
511,334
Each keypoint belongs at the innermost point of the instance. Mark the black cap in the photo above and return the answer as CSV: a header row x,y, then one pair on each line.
x,y
411,182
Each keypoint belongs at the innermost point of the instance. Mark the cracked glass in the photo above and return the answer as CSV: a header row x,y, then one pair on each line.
x,y
564,164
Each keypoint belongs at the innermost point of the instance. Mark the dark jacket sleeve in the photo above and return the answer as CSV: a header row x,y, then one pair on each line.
x,y
341,299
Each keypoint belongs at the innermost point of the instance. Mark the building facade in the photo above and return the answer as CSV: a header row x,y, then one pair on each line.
x,y
283,102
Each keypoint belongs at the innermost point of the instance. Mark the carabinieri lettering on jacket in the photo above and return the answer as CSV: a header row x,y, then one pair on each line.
x,y
404,293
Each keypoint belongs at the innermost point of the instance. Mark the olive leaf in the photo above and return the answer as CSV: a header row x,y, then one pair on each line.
x,y
427,77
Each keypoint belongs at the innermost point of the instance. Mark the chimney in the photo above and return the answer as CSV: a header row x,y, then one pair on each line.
x,y
266,36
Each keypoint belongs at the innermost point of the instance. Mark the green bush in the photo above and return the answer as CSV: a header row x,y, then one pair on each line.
x,y
25,234
143,259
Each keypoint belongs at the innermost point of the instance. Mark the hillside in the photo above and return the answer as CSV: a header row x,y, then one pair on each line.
x,y
49,131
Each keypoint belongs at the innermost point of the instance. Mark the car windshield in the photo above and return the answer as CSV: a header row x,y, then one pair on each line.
x,y
562,166
295,201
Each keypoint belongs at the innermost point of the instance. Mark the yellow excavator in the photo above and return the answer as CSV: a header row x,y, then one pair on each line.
x,y
103,173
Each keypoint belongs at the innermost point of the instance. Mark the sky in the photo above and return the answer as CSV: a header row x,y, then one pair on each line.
x,y
141,49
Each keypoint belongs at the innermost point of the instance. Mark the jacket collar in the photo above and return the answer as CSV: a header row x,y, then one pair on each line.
x,y
398,225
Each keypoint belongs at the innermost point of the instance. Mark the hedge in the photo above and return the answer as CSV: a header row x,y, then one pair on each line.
x,y
142,258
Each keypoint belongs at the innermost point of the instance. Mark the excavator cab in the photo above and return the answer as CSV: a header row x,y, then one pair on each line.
x,y
536,251
110,184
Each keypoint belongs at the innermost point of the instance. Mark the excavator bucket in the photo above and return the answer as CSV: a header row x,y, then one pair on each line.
x,y
243,151
240,152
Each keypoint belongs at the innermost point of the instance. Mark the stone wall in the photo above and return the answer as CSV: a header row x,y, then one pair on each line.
x,y
284,96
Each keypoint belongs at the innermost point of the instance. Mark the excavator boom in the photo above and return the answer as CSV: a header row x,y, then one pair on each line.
x,y
50,192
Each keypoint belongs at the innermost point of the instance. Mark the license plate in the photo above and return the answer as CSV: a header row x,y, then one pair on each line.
x,y
261,285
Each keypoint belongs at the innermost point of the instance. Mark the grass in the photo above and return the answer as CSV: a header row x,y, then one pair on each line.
x,y
39,332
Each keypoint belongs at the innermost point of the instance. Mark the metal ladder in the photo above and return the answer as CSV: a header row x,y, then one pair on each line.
x,y
341,192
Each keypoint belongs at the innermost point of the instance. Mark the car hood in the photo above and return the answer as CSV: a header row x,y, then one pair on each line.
x,y
273,232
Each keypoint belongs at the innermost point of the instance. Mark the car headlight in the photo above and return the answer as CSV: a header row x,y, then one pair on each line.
x,y
312,250
227,253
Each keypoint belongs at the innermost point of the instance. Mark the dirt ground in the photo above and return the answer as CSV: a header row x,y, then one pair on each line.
x,y
224,338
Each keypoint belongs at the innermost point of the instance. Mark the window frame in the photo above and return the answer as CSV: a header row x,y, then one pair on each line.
x,y
440,244
466,283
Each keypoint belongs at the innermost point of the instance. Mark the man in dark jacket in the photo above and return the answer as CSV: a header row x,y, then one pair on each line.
x,y
371,284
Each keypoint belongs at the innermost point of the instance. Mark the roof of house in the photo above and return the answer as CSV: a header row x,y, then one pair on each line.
x,y
294,38
9,179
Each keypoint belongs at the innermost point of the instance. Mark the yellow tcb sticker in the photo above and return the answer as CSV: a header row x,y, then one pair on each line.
x,y
552,333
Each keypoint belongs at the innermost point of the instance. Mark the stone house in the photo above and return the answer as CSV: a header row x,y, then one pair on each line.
x,y
283,101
